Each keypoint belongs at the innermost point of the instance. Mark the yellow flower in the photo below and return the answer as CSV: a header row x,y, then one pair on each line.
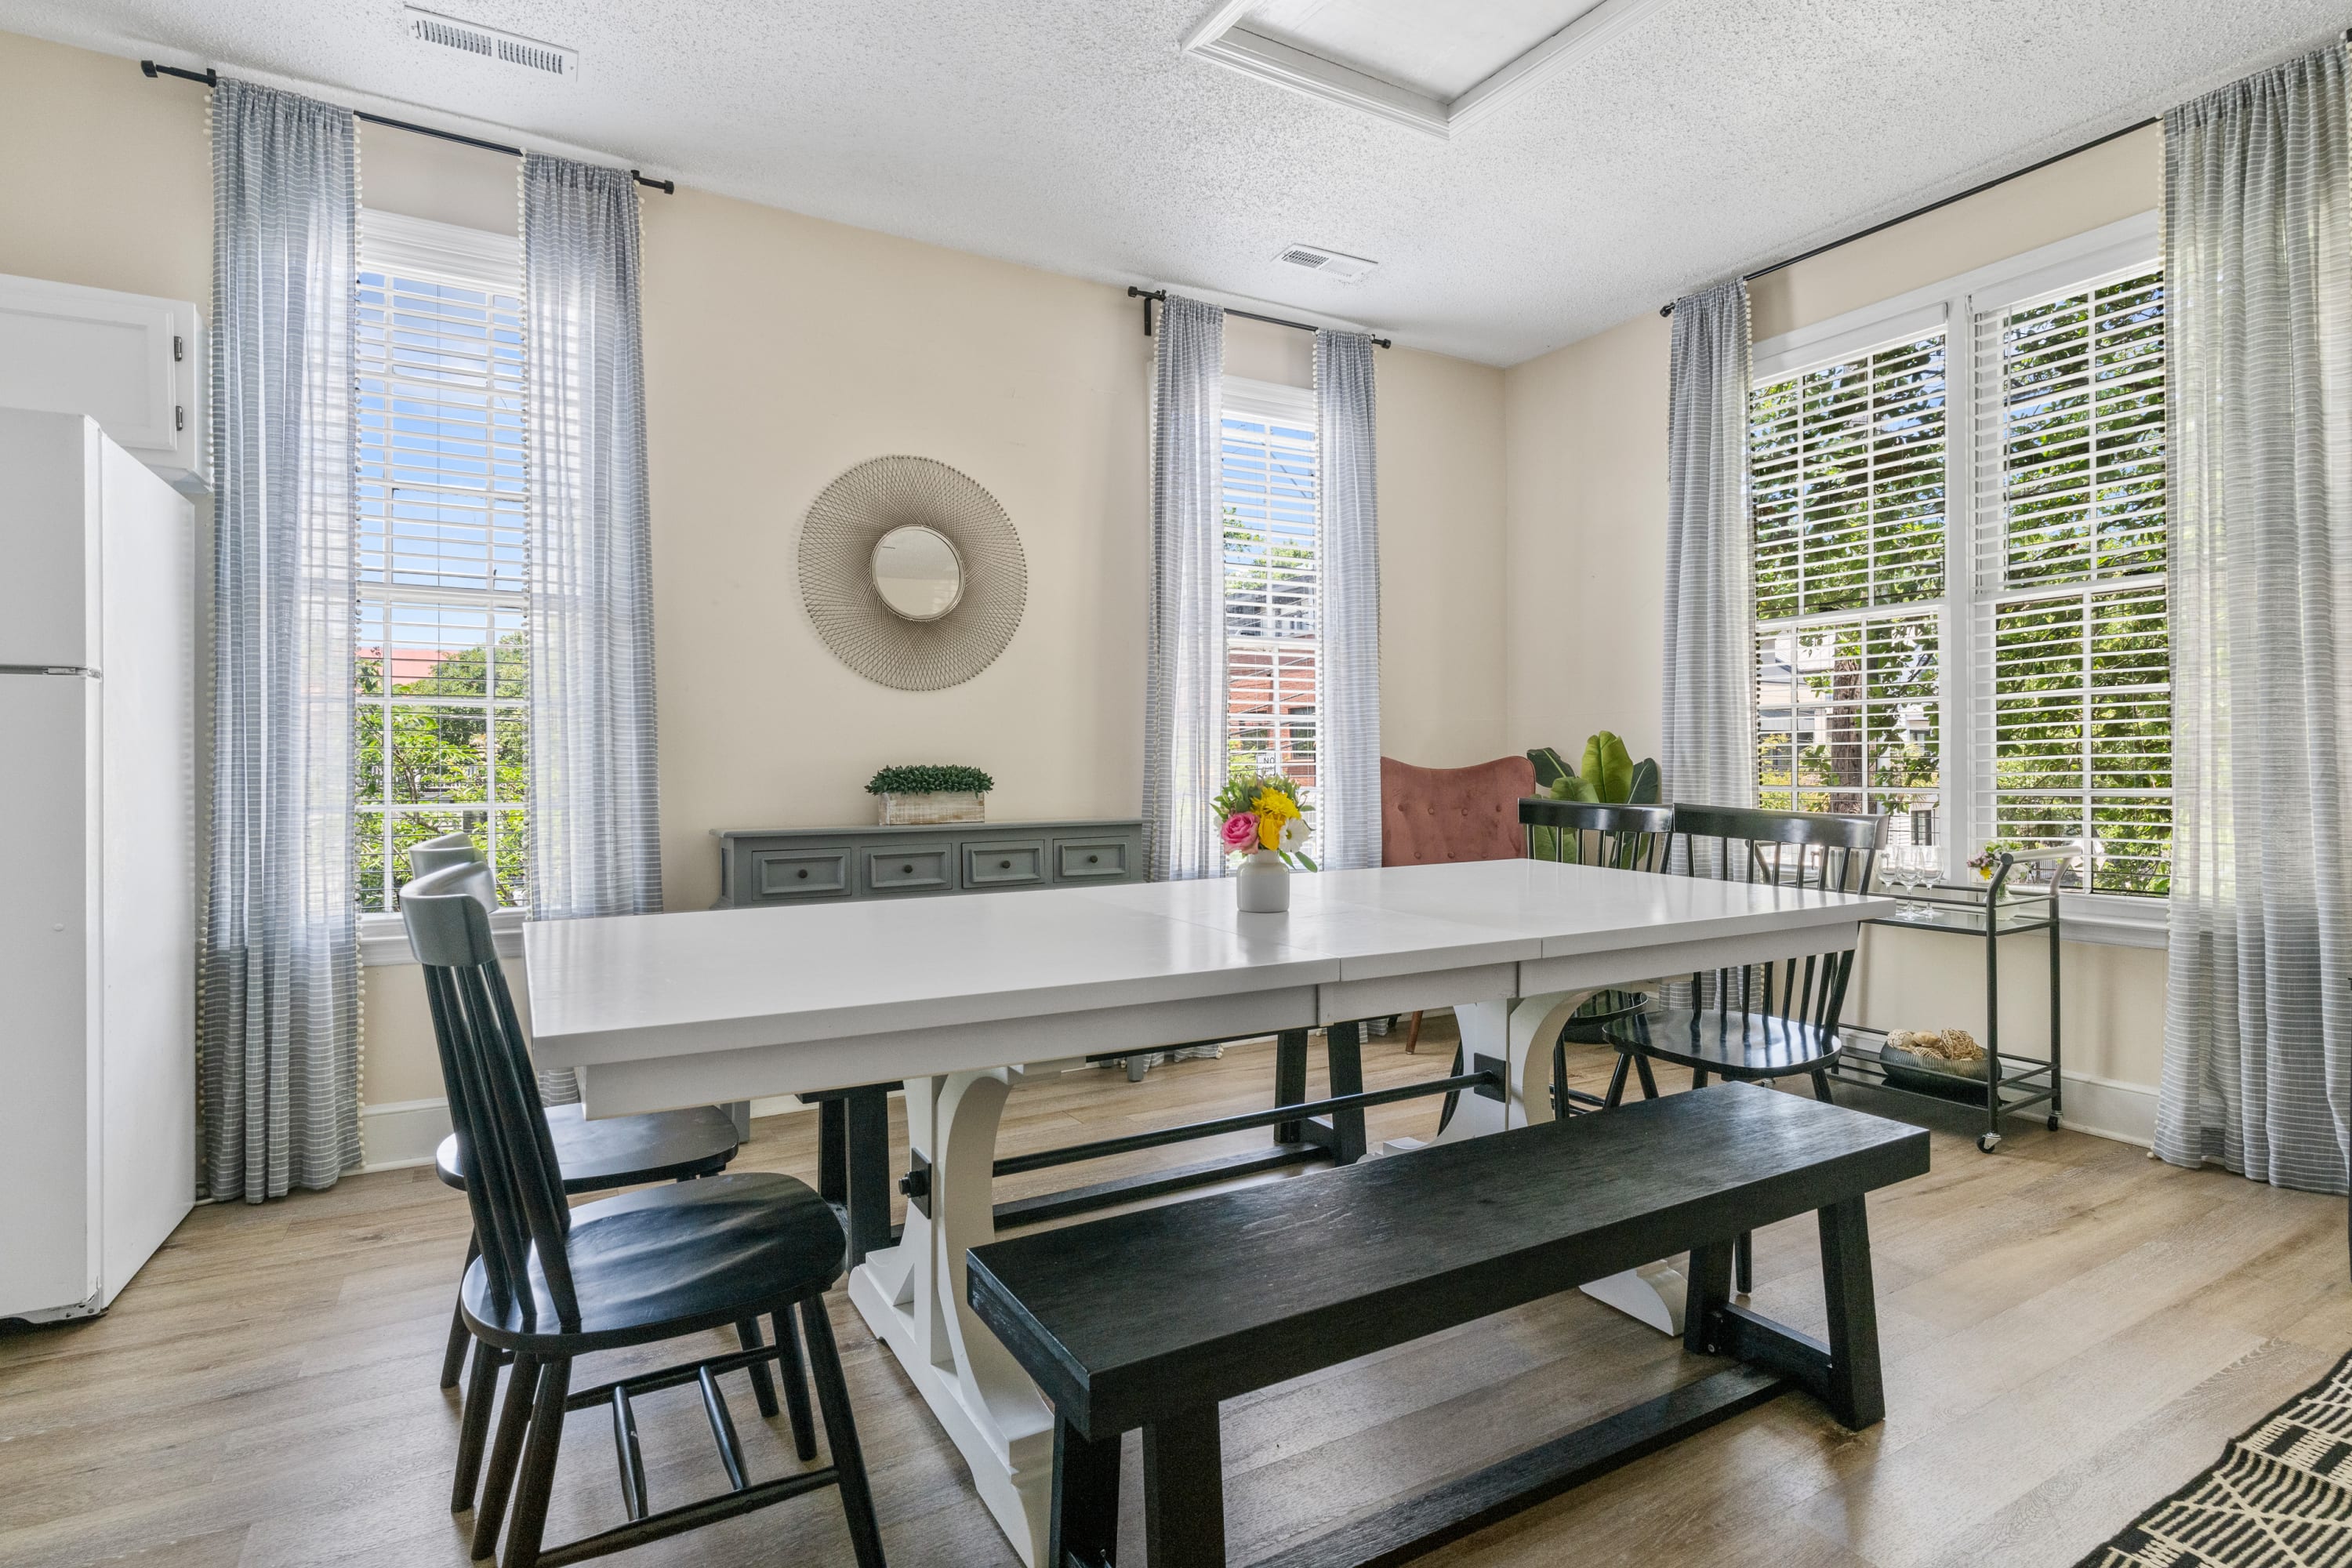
x,y
1271,801
1269,831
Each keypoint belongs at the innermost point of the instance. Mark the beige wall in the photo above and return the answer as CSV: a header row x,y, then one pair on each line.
x,y
781,349
1586,483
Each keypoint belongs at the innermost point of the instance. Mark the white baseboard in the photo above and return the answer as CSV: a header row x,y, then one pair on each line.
x,y
2107,1108
401,1134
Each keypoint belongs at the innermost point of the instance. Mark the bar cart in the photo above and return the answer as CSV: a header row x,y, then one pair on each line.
x,y
2012,1085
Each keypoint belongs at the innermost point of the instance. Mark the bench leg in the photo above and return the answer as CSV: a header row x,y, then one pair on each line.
x,y
1289,1083
1184,1492
1856,1396
1084,1525
866,1139
1709,1289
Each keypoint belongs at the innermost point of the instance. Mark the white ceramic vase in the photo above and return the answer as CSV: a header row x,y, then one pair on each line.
x,y
1264,885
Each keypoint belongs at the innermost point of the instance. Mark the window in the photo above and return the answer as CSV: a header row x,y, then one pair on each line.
x,y
2073,667
1976,647
1268,477
442,645
1847,487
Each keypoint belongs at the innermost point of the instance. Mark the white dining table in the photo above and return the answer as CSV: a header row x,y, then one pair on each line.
x,y
961,998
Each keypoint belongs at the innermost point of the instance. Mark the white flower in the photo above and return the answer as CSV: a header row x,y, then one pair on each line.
x,y
1294,835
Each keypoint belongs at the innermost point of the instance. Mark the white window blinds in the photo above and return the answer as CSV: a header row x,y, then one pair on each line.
x,y
1268,476
2073,696
1847,476
442,655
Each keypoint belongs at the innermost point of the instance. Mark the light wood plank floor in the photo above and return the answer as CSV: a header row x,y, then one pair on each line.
x,y
2071,1331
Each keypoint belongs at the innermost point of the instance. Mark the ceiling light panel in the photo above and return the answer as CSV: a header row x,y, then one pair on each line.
x,y
1433,68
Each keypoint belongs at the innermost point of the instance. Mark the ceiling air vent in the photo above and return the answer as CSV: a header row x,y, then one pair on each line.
x,y
507,48
1330,263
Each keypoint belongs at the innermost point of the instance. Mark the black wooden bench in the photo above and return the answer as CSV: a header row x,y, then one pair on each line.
x,y
1149,1319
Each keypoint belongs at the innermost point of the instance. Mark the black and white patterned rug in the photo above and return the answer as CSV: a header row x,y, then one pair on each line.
x,y
2280,1498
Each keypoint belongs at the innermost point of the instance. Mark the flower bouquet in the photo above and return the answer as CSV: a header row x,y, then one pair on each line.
x,y
1261,821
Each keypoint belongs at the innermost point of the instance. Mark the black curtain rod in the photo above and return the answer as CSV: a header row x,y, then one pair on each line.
x,y
211,78
1931,206
2344,37
1148,296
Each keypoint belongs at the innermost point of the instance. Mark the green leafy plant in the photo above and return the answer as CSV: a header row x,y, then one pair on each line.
x,y
1611,776
929,778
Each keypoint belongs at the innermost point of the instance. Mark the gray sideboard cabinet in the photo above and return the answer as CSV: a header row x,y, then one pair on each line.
x,y
812,865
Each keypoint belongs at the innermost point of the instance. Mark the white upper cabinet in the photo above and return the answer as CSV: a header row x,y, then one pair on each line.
x,y
131,363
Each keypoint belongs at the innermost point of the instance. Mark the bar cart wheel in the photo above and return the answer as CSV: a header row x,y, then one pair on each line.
x,y
1988,1141
2053,1122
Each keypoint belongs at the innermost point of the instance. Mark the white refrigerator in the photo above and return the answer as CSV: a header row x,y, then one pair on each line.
x,y
97,1064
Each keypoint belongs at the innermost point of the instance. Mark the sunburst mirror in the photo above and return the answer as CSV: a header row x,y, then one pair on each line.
x,y
912,573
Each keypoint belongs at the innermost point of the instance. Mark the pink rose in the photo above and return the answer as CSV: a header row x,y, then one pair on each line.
x,y
1240,830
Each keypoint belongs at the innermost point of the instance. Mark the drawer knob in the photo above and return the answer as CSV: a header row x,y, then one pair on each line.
x,y
803,873
1004,865
906,870
1092,858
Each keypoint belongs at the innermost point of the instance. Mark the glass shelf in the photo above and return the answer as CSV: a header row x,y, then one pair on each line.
x,y
1962,910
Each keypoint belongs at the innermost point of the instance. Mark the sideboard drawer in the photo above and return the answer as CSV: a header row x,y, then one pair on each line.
x,y
761,867
911,869
1011,863
1090,859
799,873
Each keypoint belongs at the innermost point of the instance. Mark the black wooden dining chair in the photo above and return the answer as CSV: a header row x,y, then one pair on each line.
x,y
1624,837
1771,1020
554,1283
598,1156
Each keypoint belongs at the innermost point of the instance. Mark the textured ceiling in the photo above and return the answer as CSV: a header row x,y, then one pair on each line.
x,y
1711,137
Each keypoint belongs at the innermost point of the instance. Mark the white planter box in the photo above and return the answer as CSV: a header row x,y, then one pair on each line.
x,y
933,806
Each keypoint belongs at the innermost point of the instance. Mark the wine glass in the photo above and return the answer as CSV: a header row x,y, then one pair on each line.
x,y
1895,871
1927,869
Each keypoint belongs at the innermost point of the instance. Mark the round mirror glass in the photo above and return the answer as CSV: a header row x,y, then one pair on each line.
x,y
917,573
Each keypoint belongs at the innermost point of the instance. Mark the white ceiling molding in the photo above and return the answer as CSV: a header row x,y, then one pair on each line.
x,y
1224,38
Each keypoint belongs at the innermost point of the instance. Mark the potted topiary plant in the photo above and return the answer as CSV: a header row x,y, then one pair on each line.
x,y
931,793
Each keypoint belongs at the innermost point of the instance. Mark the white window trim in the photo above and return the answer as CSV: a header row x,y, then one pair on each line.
x,y
1270,400
397,240
2111,918
383,937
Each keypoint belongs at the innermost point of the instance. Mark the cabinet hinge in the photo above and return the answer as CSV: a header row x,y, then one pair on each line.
x,y
179,417
179,348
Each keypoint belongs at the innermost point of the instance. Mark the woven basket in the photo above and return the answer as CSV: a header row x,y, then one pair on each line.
x,y
933,806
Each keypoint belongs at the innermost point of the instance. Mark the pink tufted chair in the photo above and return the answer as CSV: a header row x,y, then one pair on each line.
x,y
1429,815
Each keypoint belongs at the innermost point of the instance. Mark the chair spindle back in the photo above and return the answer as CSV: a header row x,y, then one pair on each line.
x,y
1816,851
513,1180
1586,833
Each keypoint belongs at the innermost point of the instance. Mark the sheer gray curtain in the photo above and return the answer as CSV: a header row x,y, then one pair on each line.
x,y
1347,669
2257,275
1184,693
1706,752
594,806
281,968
